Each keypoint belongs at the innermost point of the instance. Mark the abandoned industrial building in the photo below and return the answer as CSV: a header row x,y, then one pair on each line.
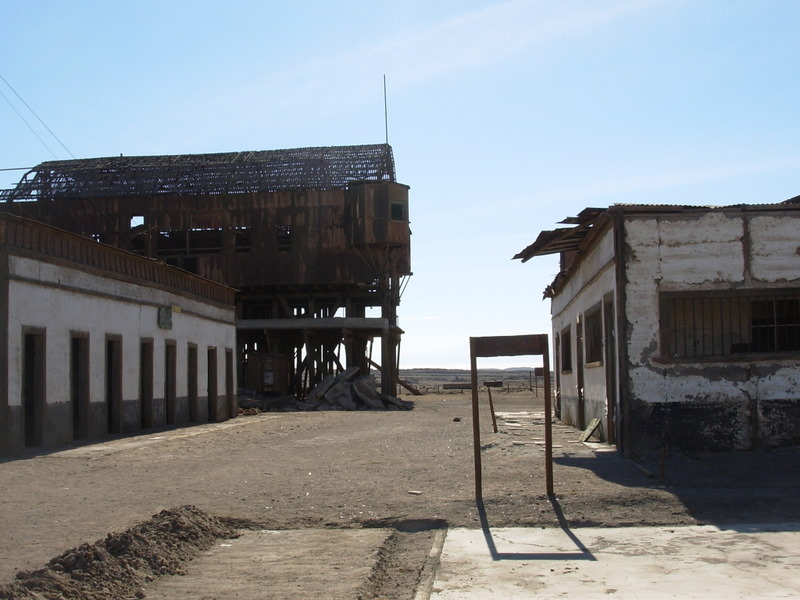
x,y
316,242
678,326
94,336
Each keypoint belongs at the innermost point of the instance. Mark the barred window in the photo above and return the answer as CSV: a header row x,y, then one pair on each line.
x,y
702,326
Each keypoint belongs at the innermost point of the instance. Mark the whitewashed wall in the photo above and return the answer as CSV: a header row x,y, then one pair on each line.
x,y
594,278
712,251
62,300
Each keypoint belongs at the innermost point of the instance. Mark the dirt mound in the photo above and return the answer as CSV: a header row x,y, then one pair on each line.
x,y
117,566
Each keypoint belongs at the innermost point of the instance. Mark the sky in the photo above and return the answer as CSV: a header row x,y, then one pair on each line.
x,y
504,117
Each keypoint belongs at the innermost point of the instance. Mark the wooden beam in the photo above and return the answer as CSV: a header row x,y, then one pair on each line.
x,y
510,345
513,345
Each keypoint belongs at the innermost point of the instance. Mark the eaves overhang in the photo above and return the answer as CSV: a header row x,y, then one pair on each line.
x,y
564,239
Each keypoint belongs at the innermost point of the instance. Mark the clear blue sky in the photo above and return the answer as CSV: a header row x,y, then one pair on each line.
x,y
505,117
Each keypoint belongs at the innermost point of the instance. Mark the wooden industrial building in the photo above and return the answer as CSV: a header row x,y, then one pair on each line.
x,y
316,241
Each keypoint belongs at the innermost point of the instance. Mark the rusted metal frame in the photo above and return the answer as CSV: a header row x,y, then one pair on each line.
x,y
510,346
222,173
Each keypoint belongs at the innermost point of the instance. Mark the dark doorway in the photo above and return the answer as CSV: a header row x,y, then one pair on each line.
x,y
146,383
213,391
611,369
114,384
557,371
79,385
170,383
233,407
191,379
579,372
33,387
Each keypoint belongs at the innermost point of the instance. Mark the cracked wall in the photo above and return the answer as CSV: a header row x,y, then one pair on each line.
x,y
708,404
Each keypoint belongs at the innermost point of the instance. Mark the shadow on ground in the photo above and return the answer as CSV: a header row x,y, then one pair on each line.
x,y
724,488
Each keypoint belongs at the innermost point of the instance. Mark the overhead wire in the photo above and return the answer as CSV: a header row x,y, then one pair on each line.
x,y
24,120
35,115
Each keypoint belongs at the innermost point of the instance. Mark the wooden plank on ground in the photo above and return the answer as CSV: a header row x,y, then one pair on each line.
x,y
587,433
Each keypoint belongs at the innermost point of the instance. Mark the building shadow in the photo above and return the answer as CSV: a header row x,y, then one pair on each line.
x,y
730,490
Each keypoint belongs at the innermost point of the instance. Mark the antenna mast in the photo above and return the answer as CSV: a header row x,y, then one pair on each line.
x,y
385,110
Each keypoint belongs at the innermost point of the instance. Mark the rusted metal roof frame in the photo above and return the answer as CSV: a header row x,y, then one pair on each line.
x,y
320,168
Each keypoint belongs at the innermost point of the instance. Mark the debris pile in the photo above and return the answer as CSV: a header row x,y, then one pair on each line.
x,y
119,565
346,391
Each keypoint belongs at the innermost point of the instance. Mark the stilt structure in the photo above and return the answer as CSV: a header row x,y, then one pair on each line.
x,y
314,239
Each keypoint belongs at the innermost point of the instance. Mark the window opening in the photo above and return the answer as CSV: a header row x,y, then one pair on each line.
x,y
593,326
284,233
398,212
719,326
566,350
242,239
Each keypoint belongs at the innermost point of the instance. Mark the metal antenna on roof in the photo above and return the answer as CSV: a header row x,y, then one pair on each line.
x,y
385,110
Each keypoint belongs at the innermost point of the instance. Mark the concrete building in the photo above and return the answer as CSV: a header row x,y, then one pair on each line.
x,y
97,340
678,326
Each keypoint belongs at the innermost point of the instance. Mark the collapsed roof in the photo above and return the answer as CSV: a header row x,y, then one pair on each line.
x,y
566,239
323,168
569,242
562,240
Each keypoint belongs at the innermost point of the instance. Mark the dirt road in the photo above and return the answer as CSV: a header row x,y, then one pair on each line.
x,y
340,470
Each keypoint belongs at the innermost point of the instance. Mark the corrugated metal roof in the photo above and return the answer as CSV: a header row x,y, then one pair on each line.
x,y
570,238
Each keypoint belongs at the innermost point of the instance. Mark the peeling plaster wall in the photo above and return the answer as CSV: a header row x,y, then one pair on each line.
x,y
592,280
58,301
708,405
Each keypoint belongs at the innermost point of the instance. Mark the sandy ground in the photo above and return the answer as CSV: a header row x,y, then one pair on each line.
x,y
407,473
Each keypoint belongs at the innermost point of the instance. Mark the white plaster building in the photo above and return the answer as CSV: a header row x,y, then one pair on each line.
x,y
678,326
100,341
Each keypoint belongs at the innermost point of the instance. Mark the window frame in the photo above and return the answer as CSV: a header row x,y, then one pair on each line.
x,y
283,238
745,299
397,211
593,336
565,336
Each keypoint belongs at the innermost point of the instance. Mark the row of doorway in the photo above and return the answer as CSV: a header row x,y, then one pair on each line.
x,y
110,420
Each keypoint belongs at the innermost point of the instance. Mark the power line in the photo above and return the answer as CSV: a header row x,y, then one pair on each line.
x,y
35,115
29,125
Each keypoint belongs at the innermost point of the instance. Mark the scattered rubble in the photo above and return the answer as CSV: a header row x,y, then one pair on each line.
x,y
346,391
119,565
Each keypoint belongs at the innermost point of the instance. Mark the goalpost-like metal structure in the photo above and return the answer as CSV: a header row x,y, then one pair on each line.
x,y
513,345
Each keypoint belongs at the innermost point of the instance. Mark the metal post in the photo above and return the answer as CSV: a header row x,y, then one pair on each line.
x,y
548,419
476,428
